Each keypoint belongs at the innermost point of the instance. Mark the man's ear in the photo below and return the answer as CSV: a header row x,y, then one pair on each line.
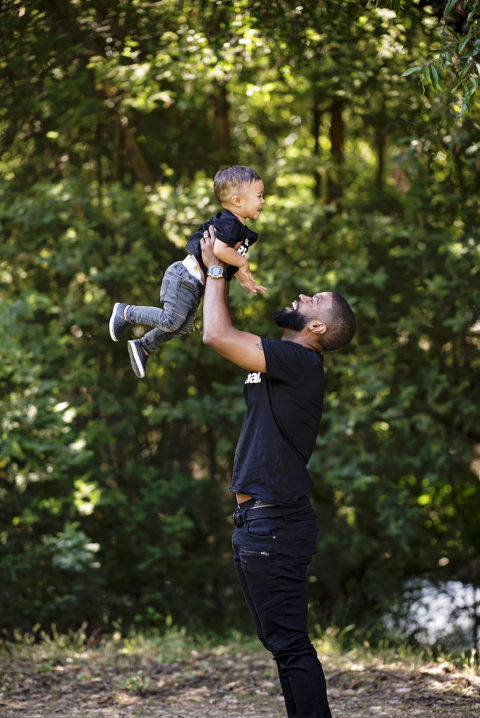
x,y
316,326
236,200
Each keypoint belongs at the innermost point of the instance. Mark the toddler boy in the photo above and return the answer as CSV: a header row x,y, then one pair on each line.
x,y
240,192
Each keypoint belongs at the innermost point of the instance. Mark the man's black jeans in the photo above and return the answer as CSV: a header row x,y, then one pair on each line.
x,y
271,556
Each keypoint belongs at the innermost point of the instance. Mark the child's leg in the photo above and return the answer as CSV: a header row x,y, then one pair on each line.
x,y
180,294
156,337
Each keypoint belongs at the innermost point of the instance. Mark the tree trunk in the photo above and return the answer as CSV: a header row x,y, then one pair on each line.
x,y
135,156
221,120
316,122
337,138
380,144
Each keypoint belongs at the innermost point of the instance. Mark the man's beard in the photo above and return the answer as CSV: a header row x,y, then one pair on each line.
x,y
290,319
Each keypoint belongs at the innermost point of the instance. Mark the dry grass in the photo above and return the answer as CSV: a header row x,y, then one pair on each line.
x,y
175,676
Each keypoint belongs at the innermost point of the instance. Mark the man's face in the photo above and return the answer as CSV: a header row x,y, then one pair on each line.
x,y
303,310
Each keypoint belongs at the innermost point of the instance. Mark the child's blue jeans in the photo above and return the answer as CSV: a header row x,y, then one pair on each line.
x,y
180,294
271,556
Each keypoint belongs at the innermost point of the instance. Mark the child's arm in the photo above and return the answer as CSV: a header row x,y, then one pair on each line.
x,y
229,255
247,281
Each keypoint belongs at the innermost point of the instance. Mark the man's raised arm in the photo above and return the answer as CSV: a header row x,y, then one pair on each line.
x,y
242,348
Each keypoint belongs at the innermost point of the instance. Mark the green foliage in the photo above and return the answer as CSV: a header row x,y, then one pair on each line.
x,y
114,500
453,61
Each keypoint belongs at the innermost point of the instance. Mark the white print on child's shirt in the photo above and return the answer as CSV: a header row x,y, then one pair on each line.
x,y
254,378
243,249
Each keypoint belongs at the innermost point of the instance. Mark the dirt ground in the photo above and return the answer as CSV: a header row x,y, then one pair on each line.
x,y
109,683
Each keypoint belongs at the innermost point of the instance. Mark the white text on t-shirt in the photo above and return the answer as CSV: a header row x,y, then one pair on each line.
x,y
253,378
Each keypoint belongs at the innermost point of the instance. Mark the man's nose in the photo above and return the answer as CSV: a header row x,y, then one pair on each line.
x,y
303,297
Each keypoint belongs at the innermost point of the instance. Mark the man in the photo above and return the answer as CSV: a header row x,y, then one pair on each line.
x,y
276,528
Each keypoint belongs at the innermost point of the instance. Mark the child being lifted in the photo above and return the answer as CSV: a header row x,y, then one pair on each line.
x,y
240,191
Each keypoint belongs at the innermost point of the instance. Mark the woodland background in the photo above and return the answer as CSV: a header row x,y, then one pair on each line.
x,y
114,117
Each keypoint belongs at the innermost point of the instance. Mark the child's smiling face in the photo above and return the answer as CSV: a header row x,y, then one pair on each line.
x,y
251,200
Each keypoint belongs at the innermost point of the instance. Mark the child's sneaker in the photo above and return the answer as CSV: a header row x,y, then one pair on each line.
x,y
138,358
118,323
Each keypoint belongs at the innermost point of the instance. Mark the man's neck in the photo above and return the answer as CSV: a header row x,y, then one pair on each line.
x,y
290,335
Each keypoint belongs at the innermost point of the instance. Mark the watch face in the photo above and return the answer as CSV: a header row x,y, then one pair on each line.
x,y
215,271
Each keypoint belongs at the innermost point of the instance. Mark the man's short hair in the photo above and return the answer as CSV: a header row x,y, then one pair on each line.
x,y
341,324
230,178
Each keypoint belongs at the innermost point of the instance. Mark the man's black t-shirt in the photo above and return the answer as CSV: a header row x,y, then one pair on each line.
x,y
281,423
228,229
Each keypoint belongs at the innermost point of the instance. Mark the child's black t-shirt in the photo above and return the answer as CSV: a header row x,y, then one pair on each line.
x,y
230,230
281,423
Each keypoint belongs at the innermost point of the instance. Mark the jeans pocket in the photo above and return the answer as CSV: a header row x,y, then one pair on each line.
x,y
261,571
306,544
247,555
262,527
165,286
189,286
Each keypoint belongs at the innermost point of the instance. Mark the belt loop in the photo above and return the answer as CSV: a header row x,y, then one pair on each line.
x,y
238,519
